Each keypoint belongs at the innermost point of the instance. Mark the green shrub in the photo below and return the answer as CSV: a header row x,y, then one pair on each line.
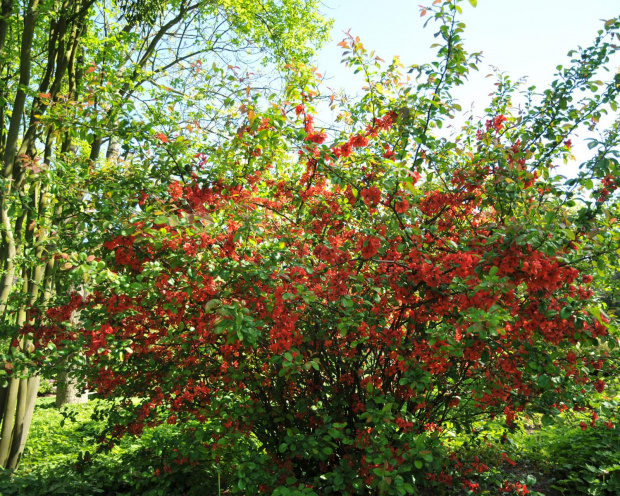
x,y
47,387
61,458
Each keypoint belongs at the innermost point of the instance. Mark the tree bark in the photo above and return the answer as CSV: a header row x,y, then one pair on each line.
x,y
25,62
67,391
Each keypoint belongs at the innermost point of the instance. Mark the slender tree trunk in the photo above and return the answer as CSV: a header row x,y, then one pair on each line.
x,y
18,396
113,150
26,232
26,398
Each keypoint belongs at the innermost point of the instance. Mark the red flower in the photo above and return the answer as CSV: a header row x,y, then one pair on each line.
x,y
358,141
369,246
508,460
599,385
318,137
371,196
388,152
401,206
343,150
309,124
496,123
143,198
176,190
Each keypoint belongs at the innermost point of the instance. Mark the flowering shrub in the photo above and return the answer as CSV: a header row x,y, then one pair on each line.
x,y
343,306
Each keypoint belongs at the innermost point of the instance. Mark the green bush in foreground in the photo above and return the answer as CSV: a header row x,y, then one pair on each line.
x,y
61,458
553,460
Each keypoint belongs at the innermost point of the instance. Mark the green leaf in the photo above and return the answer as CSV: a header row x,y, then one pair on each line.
x,y
474,3
212,304
334,433
596,312
484,356
547,420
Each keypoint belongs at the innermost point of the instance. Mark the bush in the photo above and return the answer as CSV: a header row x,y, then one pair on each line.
x,y
47,387
62,458
337,314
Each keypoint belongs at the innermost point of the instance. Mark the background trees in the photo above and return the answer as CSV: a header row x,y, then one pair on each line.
x,y
81,75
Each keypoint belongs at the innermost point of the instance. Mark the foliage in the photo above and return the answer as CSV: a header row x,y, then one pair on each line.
x,y
338,305
62,458
129,74
581,451
550,461
46,386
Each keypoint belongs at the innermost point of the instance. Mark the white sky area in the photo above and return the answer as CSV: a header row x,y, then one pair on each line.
x,y
520,37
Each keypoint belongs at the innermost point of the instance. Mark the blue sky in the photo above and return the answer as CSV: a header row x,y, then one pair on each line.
x,y
520,37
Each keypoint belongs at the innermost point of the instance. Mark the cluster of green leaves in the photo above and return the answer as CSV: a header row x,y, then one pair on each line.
x,y
62,458
578,460
560,458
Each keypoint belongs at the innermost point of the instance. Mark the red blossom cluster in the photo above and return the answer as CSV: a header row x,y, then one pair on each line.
x,y
609,184
289,310
497,123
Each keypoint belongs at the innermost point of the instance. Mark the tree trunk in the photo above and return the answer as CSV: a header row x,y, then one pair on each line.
x,y
18,400
67,391
113,150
